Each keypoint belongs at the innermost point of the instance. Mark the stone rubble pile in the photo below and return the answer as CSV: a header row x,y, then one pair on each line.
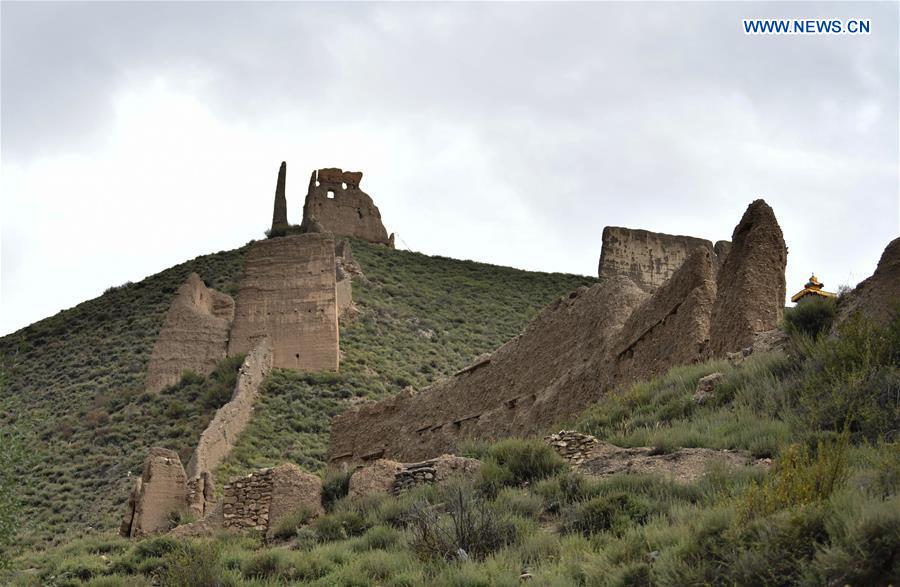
x,y
246,501
413,474
571,445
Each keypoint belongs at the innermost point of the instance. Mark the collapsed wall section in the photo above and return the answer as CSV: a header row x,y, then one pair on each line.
x,y
549,371
647,258
878,296
287,293
336,201
194,335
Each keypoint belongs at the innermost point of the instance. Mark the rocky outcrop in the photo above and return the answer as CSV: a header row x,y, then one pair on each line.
x,y
336,201
751,284
279,213
647,258
375,478
160,492
287,293
194,335
672,326
877,297
551,371
230,420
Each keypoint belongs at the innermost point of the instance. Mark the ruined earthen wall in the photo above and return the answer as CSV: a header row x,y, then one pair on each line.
x,y
550,371
160,491
230,420
194,335
877,297
288,294
337,202
751,283
672,327
647,258
344,294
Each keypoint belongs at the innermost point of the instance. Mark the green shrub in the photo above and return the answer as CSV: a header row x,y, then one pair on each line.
x,y
194,565
799,478
154,547
605,513
288,525
379,538
336,486
520,461
267,564
863,546
468,529
813,316
340,525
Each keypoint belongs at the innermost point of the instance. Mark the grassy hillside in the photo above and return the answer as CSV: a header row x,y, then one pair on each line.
x,y
827,513
74,382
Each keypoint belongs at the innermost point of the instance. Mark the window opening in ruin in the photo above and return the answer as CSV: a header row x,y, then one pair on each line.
x,y
344,185
330,194
359,213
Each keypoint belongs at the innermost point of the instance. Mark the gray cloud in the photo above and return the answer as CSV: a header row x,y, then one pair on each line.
x,y
525,128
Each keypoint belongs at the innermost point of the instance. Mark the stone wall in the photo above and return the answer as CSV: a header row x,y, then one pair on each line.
x,y
647,258
287,293
336,201
246,501
194,335
230,420
260,500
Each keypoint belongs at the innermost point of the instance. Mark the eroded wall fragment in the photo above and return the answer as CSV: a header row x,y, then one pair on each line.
x,y
337,202
751,285
287,293
157,495
647,258
878,296
194,335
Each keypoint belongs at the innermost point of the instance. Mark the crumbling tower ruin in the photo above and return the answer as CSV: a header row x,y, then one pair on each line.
x,y
336,201
279,214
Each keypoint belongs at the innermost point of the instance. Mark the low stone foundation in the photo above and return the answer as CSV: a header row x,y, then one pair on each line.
x,y
246,501
571,445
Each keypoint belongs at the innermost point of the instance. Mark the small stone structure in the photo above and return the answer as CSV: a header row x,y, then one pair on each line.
x,y
572,445
261,499
160,491
288,294
335,199
434,472
706,387
647,258
751,283
230,420
194,335
878,296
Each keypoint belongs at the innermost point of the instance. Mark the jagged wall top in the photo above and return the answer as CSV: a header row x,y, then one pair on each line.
x,y
336,201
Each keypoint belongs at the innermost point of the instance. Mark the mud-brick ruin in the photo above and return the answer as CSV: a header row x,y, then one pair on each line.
x,y
585,344
336,201
662,301
294,289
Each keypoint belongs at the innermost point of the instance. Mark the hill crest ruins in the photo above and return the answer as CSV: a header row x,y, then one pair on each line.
x,y
662,300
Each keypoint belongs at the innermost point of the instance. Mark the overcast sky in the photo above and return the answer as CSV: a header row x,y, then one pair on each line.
x,y
138,135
